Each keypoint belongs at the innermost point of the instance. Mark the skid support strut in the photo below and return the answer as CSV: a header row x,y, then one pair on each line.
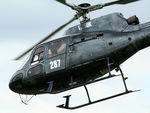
x,y
87,93
123,78
48,90
66,105
108,66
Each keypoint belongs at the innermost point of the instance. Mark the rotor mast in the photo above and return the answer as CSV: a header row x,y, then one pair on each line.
x,y
84,12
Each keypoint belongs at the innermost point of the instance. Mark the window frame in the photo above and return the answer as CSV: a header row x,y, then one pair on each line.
x,y
37,52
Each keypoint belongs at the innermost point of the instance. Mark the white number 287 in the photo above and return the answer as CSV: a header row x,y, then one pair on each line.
x,y
54,64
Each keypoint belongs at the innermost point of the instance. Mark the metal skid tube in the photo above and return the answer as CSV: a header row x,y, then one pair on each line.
x,y
93,102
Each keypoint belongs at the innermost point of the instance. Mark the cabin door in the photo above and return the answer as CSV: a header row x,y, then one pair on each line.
x,y
56,58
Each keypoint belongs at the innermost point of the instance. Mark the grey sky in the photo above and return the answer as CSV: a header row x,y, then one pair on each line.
x,y
24,22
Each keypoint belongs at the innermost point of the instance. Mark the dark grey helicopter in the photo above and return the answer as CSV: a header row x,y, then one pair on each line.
x,y
84,55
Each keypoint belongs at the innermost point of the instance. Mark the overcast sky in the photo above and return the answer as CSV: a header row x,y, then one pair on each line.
x,y
24,22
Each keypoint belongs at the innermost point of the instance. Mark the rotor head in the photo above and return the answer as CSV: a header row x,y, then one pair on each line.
x,y
84,5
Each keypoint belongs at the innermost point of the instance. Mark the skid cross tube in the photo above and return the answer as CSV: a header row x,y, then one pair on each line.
x,y
49,89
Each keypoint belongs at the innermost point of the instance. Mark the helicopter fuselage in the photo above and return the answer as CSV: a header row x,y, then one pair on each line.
x,y
80,56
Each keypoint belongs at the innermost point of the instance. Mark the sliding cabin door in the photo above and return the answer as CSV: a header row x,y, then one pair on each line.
x,y
56,56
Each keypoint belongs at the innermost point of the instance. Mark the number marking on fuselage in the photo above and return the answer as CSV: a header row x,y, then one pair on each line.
x,y
54,64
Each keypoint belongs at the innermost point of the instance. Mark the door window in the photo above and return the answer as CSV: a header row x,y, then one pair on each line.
x,y
56,48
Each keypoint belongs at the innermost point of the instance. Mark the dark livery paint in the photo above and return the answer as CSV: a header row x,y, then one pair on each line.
x,y
84,59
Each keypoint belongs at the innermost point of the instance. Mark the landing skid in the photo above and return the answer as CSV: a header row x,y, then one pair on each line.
x,y
66,105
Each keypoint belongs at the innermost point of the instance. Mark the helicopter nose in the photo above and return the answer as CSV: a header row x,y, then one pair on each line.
x,y
15,83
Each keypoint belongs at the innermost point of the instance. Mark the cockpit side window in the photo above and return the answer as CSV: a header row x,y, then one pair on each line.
x,y
38,55
56,48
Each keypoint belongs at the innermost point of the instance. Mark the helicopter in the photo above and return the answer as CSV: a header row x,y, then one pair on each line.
x,y
83,55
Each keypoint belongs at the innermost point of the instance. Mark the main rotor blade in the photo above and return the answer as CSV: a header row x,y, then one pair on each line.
x,y
74,7
127,1
46,38
64,2
119,2
100,6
